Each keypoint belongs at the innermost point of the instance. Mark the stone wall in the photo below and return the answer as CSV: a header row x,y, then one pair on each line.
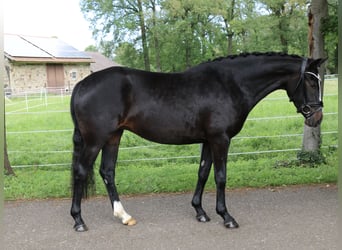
x,y
74,73
33,77
26,77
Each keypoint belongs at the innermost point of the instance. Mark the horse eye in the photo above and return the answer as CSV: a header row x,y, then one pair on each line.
x,y
313,83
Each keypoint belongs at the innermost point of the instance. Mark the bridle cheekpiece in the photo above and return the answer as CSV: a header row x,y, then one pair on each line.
x,y
307,109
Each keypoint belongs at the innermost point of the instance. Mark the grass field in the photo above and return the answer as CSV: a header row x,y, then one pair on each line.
x,y
39,134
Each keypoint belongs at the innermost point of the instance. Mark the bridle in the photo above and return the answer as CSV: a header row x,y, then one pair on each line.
x,y
307,109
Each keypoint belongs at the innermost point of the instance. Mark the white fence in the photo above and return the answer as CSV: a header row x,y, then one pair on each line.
x,y
41,94
160,145
45,100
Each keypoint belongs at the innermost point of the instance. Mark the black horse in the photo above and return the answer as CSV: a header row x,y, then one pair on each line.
x,y
206,104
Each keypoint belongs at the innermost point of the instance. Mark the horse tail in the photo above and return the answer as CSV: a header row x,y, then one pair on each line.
x,y
78,144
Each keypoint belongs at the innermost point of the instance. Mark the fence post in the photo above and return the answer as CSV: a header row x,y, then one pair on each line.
x,y
62,96
46,103
26,101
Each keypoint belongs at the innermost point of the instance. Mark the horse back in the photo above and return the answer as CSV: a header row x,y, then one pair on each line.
x,y
173,108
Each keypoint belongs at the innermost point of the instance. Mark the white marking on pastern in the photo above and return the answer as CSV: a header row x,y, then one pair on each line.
x,y
120,213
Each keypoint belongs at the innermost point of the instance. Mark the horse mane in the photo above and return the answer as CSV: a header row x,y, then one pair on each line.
x,y
247,54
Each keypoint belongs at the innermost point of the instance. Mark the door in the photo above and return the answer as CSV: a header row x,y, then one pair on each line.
x,y
55,78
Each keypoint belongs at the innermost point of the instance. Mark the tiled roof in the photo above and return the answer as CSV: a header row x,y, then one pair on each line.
x,y
100,61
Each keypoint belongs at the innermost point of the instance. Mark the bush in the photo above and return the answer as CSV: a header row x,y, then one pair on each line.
x,y
311,158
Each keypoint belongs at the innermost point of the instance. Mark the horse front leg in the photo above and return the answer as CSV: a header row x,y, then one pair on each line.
x,y
107,172
203,174
220,151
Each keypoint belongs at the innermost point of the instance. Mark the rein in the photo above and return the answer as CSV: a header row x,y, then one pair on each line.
x,y
307,109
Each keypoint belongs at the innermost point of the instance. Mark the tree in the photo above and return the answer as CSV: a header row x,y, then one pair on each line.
x,y
143,35
115,21
172,35
330,32
318,10
155,32
285,18
91,48
126,54
227,10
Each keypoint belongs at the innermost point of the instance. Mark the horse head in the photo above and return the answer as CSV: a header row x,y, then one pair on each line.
x,y
307,93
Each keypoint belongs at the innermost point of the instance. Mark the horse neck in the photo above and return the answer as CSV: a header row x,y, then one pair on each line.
x,y
262,79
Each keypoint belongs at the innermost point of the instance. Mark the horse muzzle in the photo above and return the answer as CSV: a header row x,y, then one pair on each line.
x,y
314,119
312,113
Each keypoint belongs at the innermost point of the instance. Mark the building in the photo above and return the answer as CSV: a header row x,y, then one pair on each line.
x,y
100,62
35,63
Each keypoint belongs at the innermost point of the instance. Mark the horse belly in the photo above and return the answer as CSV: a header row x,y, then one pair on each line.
x,y
165,128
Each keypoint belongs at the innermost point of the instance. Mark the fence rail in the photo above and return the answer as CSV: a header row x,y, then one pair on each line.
x,y
27,108
171,157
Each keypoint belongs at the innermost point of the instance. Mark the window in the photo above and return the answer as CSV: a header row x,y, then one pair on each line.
x,y
73,75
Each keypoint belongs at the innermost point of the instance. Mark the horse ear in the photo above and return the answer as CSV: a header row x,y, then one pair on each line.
x,y
317,63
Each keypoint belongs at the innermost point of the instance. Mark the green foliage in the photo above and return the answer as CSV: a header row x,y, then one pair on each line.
x,y
127,54
330,31
182,33
311,158
91,48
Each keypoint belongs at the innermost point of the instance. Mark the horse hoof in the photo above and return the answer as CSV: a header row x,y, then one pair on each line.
x,y
81,228
203,218
130,222
231,224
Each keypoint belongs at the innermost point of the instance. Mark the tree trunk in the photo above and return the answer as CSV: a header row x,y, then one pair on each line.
x,y
230,33
318,10
283,34
143,36
155,37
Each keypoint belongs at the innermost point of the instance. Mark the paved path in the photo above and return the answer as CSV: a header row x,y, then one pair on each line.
x,y
284,218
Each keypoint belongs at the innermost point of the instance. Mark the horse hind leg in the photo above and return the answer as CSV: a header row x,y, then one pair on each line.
x,y
107,172
82,167
203,174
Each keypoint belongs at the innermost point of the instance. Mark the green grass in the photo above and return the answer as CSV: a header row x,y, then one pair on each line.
x,y
137,174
